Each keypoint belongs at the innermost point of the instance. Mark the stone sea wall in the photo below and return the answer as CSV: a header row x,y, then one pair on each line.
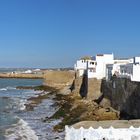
x,y
124,95
59,79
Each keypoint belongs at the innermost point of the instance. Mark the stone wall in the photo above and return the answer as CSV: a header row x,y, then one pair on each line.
x,y
124,96
59,79
90,88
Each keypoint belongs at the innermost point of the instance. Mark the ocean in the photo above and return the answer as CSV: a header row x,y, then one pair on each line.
x,y
19,123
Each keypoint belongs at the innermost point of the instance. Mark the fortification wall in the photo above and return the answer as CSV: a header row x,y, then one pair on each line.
x,y
124,96
59,79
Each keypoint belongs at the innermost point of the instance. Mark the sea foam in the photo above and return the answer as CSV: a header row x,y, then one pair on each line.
x,y
21,131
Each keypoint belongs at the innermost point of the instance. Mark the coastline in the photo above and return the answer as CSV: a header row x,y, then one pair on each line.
x,y
21,76
68,106
71,107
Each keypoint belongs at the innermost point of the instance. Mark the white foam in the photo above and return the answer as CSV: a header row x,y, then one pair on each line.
x,y
10,88
19,104
21,131
7,88
3,89
22,105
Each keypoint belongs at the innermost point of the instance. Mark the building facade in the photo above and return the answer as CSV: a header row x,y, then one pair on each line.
x,y
95,67
129,68
105,66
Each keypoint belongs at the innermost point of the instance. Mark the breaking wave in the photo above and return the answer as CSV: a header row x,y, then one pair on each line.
x,y
3,89
19,105
7,88
21,131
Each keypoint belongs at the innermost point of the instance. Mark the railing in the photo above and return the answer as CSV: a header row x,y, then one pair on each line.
x,y
102,134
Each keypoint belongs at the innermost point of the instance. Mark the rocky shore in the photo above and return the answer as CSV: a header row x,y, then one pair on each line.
x,y
72,107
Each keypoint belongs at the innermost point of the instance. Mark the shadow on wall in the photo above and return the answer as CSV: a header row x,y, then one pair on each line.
x,y
131,106
72,86
84,85
124,96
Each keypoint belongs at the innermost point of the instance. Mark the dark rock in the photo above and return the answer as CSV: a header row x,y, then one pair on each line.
x,y
125,97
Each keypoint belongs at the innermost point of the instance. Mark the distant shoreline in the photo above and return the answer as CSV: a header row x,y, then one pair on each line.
x,y
21,76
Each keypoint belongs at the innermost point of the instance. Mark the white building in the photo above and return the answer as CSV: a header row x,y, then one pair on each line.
x,y
86,66
131,70
104,66
126,68
95,67
118,63
102,60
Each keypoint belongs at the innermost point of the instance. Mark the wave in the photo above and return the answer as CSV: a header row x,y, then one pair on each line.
x,y
3,89
10,88
21,131
20,104
7,88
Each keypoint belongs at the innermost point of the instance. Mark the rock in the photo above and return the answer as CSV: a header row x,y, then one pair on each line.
x,y
94,87
105,103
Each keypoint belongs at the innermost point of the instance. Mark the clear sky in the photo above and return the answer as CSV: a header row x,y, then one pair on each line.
x,y
55,33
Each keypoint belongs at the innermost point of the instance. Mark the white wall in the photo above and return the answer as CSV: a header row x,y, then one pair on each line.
x,y
131,71
100,133
102,61
92,69
136,73
81,66
92,73
123,61
137,59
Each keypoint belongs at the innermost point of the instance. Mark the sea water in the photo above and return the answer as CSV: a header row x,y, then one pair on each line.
x,y
12,104
19,123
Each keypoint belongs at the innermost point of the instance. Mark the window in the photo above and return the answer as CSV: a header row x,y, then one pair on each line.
x,y
92,63
92,70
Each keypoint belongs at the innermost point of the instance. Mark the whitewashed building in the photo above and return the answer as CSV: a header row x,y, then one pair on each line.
x,y
102,60
104,66
95,67
86,66
115,67
131,70
128,68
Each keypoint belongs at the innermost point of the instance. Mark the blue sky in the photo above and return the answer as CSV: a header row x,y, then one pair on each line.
x,y
55,33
